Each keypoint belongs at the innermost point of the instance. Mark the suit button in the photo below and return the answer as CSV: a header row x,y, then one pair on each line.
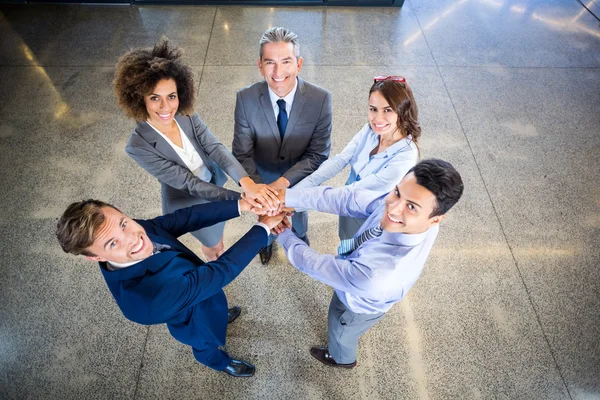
x,y
282,158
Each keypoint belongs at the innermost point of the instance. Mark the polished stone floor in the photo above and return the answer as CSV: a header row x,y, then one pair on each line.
x,y
508,306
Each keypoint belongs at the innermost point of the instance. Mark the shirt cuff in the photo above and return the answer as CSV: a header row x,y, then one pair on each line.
x,y
264,226
292,196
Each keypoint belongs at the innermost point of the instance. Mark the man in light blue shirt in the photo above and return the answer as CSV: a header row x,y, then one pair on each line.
x,y
377,267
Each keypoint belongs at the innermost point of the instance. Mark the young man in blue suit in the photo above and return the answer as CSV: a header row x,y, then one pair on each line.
x,y
155,279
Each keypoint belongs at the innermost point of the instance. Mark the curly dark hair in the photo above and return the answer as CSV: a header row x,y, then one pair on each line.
x,y
400,97
139,70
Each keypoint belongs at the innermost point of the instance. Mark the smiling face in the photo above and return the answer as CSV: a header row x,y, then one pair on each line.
x,y
382,118
120,239
408,207
280,67
162,103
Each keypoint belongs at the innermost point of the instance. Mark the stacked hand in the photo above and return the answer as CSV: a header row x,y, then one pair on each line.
x,y
270,208
259,195
277,223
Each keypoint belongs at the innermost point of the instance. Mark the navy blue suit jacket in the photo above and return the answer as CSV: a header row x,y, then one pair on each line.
x,y
175,286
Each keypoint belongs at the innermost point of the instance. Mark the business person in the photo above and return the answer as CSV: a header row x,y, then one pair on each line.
x,y
385,148
156,279
377,267
282,124
172,143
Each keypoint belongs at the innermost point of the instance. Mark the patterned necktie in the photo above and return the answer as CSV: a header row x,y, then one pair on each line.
x,y
347,246
282,119
158,247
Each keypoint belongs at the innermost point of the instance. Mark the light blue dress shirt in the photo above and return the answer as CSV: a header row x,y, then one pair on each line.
x,y
377,274
378,173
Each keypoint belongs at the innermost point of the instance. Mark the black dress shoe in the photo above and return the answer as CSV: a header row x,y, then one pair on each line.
x,y
233,313
266,253
239,369
305,239
322,354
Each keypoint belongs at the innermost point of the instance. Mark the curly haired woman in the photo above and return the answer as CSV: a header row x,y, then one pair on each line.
x,y
172,143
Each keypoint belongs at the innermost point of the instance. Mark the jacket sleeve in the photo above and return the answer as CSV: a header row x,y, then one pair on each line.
x,y
216,151
347,275
208,279
333,165
174,175
318,147
344,201
243,141
197,217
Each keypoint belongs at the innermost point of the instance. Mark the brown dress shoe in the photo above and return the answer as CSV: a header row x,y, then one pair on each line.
x,y
322,354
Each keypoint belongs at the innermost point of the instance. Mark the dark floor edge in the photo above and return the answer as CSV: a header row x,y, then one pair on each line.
x,y
206,52
498,218
138,378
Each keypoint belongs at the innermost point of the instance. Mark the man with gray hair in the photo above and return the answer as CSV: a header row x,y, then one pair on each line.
x,y
282,124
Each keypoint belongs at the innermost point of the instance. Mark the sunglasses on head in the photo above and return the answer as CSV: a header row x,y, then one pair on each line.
x,y
380,78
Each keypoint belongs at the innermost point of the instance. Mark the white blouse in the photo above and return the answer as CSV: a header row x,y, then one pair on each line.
x,y
188,154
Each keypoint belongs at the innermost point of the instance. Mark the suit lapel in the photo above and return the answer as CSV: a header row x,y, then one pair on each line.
x,y
153,138
265,101
299,100
187,126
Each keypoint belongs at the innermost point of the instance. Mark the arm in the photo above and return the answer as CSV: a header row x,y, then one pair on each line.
x,y
216,151
318,147
387,177
206,280
243,141
197,217
340,201
332,166
349,276
174,175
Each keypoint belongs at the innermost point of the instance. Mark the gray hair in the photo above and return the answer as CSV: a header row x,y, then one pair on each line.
x,y
279,34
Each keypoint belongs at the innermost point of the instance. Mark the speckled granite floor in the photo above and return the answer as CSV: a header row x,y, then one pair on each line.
x,y
508,306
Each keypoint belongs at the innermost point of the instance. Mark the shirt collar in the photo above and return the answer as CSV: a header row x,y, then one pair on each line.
x,y
115,265
404,239
401,144
289,99
111,265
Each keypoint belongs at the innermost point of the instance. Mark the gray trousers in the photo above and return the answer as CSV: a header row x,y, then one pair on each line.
x,y
344,329
299,219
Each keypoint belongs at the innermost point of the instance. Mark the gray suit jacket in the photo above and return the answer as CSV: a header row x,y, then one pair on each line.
x,y
181,188
307,139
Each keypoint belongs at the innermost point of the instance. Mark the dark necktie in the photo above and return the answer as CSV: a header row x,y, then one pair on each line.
x,y
349,245
282,119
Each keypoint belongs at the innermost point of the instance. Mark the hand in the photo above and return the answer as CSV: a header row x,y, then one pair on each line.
x,y
280,183
283,225
271,221
281,197
246,205
259,195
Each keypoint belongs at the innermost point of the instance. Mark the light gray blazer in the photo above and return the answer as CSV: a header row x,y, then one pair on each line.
x,y
307,139
179,187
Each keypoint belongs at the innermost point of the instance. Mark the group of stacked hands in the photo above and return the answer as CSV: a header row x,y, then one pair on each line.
x,y
390,207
